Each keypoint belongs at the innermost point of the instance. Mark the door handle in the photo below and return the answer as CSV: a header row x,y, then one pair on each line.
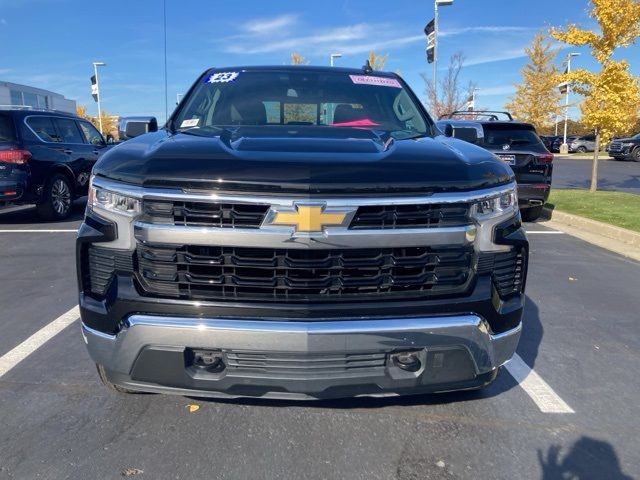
x,y
65,150
97,152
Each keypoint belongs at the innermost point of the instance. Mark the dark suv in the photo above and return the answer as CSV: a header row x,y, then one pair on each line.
x,y
46,159
517,144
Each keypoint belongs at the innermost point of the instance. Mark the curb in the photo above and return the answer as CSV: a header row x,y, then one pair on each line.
x,y
615,239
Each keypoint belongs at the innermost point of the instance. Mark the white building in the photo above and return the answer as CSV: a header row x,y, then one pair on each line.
x,y
22,95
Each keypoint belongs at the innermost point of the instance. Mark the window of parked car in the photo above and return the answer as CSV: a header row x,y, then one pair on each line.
x,y
68,130
512,135
7,131
91,134
43,127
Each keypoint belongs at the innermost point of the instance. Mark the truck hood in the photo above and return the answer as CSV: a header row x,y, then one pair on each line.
x,y
302,160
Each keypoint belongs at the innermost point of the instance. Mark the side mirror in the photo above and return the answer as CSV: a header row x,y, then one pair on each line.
x,y
448,130
131,127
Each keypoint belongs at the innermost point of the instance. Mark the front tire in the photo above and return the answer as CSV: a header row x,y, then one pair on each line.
x,y
107,383
531,214
636,155
57,199
581,149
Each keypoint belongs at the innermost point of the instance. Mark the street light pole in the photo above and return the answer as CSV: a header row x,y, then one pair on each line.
x,y
565,148
334,56
95,71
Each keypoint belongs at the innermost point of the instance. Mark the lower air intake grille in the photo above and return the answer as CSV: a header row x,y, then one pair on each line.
x,y
103,265
507,269
303,365
264,274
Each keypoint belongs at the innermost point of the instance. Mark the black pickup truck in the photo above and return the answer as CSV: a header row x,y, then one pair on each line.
x,y
300,232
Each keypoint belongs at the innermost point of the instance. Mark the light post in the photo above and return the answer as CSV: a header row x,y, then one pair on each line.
x,y
334,56
95,71
437,3
564,148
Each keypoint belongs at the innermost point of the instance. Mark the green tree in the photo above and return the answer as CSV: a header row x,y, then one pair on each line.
x,y
611,96
537,98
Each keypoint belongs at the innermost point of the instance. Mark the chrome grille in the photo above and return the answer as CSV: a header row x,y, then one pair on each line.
x,y
411,216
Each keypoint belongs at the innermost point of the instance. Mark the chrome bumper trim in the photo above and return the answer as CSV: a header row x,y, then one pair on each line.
x,y
118,353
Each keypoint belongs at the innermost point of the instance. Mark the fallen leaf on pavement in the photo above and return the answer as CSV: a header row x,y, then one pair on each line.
x,y
193,408
130,472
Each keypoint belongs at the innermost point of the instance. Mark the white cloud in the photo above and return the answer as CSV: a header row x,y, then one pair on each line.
x,y
499,90
263,26
499,56
348,39
484,29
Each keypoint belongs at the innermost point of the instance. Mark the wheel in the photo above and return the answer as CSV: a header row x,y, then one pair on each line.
x,y
57,199
581,149
105,381
636,155
531,214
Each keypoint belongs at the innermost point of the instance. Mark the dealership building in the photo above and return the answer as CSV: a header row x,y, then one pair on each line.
x,y
16,95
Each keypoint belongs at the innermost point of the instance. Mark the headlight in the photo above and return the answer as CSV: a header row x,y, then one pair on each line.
x,y
628,144
101,199
502,205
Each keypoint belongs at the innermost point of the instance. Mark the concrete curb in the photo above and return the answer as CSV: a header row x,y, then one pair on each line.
x,y
619,240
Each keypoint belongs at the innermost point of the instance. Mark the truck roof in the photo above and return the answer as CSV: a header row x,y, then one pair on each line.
x,y
303,68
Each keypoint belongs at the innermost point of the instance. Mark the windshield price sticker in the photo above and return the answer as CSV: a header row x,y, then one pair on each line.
x,y
222,77
190,123
377,81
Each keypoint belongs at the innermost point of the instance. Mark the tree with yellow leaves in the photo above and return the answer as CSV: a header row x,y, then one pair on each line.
x,y
109,121
612,95
297,59
376,61
537,98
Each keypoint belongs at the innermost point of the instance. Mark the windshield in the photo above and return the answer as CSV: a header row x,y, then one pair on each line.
x,y
305,99
496,136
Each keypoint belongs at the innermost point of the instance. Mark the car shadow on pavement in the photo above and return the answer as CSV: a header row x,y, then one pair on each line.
x,y
587,458
27,215
530,340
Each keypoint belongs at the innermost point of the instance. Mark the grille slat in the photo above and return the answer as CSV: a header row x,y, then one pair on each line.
x,y
296,364
301,275
237,215
507,270
410,216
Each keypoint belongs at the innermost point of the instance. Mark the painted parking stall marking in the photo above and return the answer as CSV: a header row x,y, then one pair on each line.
x,y
35,341
540,392
57,230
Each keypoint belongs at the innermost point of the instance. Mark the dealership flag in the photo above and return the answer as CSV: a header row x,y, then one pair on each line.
x,y
430,32
471,103
94,88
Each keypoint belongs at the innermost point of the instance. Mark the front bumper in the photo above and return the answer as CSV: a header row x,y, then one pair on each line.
x,y
302,360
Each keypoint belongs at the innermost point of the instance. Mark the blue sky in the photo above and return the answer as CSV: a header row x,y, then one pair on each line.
x,y
52,43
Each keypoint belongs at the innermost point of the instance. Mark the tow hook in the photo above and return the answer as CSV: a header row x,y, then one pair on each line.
x,y
210,360
407,361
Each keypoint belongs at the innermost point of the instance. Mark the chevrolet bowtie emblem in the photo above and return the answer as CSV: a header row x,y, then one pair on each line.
x,y
308,218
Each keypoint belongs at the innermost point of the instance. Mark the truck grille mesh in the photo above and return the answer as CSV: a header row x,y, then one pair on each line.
x,y
229,273
508,270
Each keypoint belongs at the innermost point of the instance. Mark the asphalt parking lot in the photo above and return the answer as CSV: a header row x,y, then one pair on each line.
x,y
612,174
574,416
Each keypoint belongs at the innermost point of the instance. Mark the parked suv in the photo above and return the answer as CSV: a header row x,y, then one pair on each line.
x,y
557,143
625,148
300,232
518,145
586,143
46,159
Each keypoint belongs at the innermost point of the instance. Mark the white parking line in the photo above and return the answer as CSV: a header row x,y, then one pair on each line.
x,y
540,392
545,232
40,231
35,341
